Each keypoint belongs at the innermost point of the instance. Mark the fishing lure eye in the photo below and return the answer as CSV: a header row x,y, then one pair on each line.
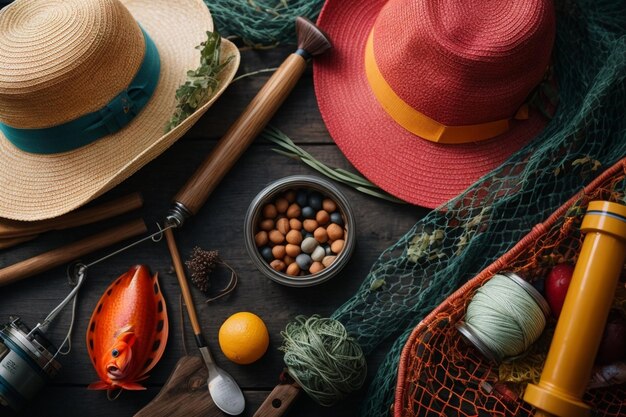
x,y
115,353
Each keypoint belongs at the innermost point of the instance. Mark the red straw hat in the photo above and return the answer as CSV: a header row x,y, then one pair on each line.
x,y
422,96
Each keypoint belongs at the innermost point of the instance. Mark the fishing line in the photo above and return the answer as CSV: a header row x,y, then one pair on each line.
x,y
77,272
155,237
505,317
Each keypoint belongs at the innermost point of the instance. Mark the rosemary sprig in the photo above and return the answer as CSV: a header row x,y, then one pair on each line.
x,y
291,150
202,82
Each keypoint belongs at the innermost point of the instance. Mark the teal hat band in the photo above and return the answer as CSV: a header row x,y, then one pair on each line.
x,y
111,118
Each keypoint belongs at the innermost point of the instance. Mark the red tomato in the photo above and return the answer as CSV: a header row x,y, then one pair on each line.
x,y
557,284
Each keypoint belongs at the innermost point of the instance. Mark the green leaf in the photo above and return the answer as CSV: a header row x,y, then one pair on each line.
x,y
355,178
380,194
202,83
287,154
377,284
291,150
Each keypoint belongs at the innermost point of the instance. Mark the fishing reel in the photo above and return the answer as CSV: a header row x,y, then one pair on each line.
x,y
27,363
27,358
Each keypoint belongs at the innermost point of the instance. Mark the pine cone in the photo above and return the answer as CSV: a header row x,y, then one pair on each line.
x,y
201,264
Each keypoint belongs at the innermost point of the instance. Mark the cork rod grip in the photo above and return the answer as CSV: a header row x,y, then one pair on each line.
x,y
241,134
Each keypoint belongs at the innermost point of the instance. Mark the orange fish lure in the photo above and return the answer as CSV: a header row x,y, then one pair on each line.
x,y
128,330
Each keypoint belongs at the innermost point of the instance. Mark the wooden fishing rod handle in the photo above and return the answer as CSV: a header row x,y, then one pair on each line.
x,y
241,134
71,252
13,241
182,281
11,229
279,401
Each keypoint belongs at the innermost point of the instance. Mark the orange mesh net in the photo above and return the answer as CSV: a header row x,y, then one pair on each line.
x,y
441,375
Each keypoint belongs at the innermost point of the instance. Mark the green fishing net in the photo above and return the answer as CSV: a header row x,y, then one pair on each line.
x,y
262,22
453,243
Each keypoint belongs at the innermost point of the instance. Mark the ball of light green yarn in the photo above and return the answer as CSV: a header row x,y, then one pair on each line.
x,y
323,359
262,22
505,317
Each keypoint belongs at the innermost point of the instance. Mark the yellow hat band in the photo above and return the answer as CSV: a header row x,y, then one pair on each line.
x,y
416,122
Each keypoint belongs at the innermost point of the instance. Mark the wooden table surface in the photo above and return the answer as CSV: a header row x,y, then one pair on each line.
x,y
219,225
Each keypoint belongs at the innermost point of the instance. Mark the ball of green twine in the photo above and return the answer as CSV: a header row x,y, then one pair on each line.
x,y
323,359
262,23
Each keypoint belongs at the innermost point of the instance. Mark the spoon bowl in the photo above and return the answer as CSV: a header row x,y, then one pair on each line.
x,y
224,391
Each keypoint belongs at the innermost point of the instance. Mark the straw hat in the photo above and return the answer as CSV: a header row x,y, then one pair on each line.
x,y
422,96
64,61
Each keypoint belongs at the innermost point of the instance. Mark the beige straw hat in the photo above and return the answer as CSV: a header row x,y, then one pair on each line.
x,y
64,61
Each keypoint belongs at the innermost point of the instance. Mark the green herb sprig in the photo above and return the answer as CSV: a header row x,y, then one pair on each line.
x,y
202,83
290,149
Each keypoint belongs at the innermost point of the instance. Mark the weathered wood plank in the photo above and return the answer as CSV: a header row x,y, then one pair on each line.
x,y
219,226
68,401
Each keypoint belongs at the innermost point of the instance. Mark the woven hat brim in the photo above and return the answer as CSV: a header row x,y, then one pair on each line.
x,y
411,168
35,187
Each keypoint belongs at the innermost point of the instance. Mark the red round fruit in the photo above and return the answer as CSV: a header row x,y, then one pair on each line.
x,y
557,284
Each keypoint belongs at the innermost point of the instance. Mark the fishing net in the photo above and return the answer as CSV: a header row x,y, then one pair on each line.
x,y
441,375
262,23
453,243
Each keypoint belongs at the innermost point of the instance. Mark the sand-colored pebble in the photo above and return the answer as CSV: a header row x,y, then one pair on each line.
x,y
278,265
334,231
293,270
282,225
337,246
310,225
290,196
281,205
288,260
269,211
316,267
267,225
329,205
278,251
318,254
320,235
276,237
322,217
293,211
309,244
261,238
295,224
328,260
292,250
294,237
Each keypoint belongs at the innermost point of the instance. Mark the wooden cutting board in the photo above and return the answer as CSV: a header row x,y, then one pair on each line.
x,y
184,394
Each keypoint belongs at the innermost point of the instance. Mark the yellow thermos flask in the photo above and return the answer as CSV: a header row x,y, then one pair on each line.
x,y
579,330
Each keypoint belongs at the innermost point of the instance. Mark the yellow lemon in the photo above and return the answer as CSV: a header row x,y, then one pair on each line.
x,y
244,338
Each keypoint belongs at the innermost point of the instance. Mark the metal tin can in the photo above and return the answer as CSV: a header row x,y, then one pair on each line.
x,y
296,182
